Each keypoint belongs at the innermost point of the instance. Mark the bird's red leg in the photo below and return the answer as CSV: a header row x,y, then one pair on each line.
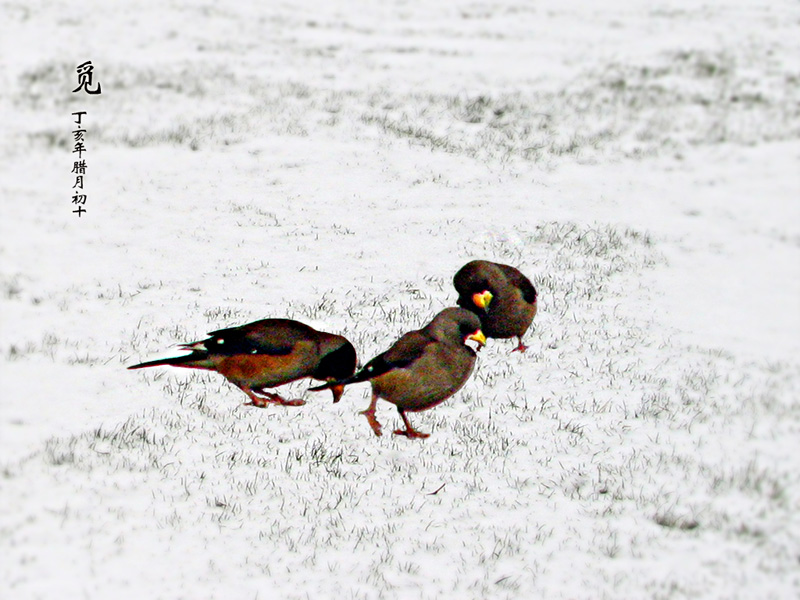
x,y
370,414
521,347
409,431
268,398
254,400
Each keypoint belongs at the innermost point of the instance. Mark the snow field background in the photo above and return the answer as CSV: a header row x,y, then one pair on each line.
x,y
639,164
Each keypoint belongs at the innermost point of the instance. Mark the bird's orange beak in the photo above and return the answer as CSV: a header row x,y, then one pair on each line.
x,y
337,390
482,299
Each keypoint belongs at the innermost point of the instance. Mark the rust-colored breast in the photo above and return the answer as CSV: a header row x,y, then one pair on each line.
x,y
264,370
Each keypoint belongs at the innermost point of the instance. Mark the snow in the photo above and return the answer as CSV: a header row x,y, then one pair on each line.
x,y
337,166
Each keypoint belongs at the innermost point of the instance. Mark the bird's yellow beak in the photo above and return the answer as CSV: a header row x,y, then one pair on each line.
x,y
478,337
482,299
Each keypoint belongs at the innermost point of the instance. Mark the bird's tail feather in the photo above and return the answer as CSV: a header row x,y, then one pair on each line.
x,y
362,375
327,386
195,360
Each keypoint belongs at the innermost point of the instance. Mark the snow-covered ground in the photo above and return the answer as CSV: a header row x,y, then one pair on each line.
x,y
337,165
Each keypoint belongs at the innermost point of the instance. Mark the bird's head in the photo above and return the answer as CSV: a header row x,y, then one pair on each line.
x,y
469,328
456,325
338,362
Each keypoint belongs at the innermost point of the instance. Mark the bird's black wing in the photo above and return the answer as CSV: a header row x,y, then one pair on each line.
x,y
518,280
407,350
276,337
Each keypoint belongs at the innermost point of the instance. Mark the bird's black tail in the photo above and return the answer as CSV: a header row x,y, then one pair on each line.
x,y
330,384
358,377
377,366
195,360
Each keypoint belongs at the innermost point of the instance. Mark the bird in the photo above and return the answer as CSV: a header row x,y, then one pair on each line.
x,y
422,368
266,354
502,297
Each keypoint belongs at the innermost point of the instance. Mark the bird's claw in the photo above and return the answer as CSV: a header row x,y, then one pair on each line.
x,y
264,401
411,433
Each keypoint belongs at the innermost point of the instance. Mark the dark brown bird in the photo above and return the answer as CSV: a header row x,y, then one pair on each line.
x,y
503,298
422,369
269,353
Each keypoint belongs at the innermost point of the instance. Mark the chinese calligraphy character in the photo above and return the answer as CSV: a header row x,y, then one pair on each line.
x,y
85,78
80,134
79,199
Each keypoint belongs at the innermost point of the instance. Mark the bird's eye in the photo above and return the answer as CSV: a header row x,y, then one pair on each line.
x,y
220,341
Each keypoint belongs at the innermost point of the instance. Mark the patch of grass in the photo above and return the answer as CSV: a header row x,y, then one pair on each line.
x,y
670,519
684,98
689,97
601,443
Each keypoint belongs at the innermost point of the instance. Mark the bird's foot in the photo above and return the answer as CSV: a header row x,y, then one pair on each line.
x,y
270,398
263,403
411,433
292,402
521,348
373,422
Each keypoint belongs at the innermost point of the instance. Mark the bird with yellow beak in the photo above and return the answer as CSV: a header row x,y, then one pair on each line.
x,y
500,295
